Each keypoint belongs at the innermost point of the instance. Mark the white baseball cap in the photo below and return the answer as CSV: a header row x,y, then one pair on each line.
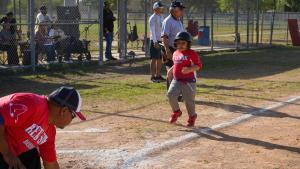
x,y
158,5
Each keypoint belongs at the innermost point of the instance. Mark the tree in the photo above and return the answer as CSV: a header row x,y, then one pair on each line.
x,y
292,5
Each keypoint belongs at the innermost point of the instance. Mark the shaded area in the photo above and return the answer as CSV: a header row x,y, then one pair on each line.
x,y
247,109
250,64
219,136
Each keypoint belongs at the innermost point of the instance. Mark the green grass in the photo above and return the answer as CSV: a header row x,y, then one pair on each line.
x,y
226,76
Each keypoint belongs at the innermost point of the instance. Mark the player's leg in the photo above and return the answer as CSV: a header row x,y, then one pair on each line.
x,y
155,54
158,69
173,93
153,69
30,159
3,164
189,92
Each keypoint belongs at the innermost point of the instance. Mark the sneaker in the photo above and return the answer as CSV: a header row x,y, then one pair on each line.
x,y
155,79
191,121
175,115
160,78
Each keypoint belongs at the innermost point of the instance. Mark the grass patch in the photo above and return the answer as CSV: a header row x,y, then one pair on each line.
x,y
226,76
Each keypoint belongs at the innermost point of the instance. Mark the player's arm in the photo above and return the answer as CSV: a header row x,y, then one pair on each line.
x,y
197,65
170,74
191,69
8,156
165,40
52,165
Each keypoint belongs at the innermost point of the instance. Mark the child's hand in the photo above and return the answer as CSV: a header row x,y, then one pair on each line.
x,y
186,70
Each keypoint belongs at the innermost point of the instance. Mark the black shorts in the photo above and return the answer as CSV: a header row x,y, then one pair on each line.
x,y
154,52
168,62
30,159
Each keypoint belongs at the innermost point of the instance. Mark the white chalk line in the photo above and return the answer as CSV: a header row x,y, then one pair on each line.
x,y
88,130
131,161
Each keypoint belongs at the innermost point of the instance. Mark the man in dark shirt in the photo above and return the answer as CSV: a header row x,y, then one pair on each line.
x,y
108,25
8,40
9,21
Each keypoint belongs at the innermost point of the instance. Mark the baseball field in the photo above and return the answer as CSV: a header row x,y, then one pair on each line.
x,y
248,106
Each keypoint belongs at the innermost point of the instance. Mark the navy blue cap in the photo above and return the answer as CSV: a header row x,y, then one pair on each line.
x,y
178,4
158,5
68,96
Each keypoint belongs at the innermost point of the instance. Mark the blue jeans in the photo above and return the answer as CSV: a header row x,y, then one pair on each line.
x,y
109,38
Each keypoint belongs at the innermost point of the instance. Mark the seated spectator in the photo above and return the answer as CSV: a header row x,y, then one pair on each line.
x,y
8,43
56,32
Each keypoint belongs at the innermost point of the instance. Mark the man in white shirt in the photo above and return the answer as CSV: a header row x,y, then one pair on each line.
x,y
42,17
155,36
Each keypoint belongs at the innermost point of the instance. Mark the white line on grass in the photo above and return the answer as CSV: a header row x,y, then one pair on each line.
x,y
141,154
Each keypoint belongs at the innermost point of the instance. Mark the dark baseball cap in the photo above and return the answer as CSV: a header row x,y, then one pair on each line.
x,y
178,4
43,7
158,5
69,97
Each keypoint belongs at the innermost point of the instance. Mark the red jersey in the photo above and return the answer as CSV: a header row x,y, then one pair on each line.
x,y
26,124
183,59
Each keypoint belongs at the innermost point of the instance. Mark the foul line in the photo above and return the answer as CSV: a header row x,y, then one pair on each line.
x,y
89,130
141,154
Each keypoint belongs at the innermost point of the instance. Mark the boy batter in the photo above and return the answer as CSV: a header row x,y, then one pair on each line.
x,y
183,73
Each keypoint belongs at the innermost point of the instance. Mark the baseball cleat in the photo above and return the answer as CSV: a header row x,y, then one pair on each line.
x,y
175,115
191,121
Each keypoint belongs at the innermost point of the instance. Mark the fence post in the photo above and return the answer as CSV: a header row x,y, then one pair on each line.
x,y
257,22
248,23
101,6
236,22
123,29
212,30
262,27
272,28
146,28
14,7
32,37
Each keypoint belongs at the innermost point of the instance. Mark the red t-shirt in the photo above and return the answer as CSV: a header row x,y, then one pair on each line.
x,y
183,59
26,124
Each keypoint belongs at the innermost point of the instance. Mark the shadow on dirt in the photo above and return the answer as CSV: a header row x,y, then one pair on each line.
x,y
219,136
246,109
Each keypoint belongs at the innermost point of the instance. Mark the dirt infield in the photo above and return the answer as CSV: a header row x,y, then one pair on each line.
x,y
128,115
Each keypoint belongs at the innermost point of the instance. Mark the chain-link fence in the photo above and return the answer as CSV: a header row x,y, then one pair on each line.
x,y
71,30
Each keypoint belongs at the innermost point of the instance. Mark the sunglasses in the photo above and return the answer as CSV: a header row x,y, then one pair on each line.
x,y
72,113
70,110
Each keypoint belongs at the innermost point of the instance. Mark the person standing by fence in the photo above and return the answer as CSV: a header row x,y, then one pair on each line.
x,y
155,36
108,28
42,17
8,38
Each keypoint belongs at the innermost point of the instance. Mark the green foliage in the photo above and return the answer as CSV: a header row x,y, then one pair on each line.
x,y
293,5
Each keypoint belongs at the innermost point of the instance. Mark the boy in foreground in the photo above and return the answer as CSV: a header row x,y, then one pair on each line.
x,y
183,78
